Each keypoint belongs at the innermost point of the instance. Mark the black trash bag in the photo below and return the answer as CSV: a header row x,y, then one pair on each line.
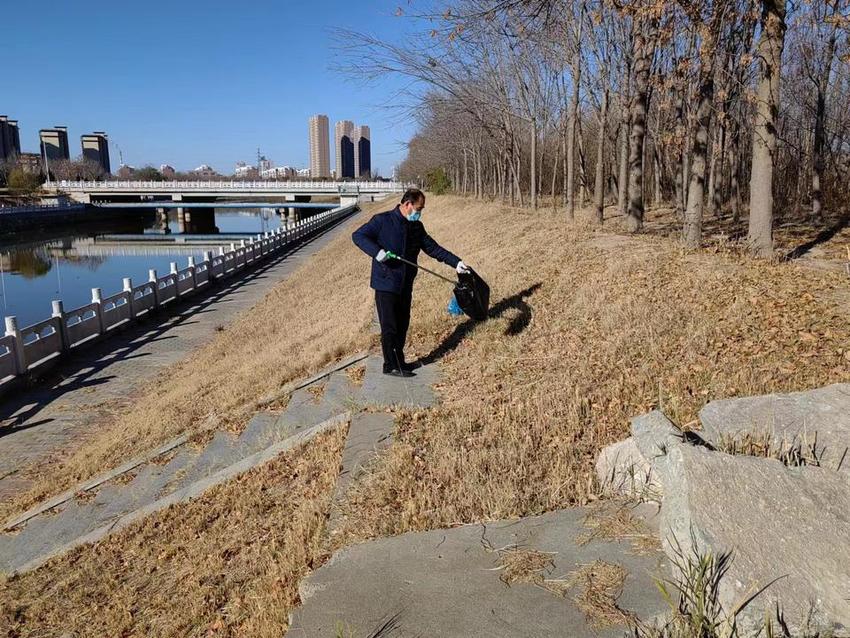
x,y
473,295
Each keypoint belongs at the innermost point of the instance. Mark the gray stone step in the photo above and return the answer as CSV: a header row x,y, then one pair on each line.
x,y
337,395
261,431
44,533
52,536
77,517
368,434
383,390
49,532
219,453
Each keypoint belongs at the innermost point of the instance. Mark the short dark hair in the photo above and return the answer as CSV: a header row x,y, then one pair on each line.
x,y
413,195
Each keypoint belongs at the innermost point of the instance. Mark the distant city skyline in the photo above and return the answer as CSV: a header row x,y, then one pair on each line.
x,y
216,100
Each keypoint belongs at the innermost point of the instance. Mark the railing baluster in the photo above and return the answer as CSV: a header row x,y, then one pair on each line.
x,y
58,312
127,285
97,299
18,344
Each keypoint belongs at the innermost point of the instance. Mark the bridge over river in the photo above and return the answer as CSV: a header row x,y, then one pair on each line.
x,y
212,191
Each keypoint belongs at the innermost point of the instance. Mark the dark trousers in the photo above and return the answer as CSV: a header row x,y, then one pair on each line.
x,y
394,316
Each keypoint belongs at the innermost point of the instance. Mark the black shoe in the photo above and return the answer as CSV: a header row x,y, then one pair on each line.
x,y
410,367
400,373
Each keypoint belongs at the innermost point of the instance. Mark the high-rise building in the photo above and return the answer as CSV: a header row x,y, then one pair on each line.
x,y
16,136
54,144
344,148
320,154
96,148
5,138
362,152
10,139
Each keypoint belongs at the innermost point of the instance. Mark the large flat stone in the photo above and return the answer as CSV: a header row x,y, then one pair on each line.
x,y
447,583
798,416
790,524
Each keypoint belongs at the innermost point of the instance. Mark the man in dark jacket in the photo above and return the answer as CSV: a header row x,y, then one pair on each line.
x,y
398,231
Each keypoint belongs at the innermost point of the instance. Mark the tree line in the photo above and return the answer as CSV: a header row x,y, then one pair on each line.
x,y
735,108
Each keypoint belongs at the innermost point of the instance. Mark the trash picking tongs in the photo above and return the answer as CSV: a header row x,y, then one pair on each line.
x,y
392,255
471,292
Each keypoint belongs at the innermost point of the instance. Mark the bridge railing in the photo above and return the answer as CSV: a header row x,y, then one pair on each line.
x,y
25,350
227,185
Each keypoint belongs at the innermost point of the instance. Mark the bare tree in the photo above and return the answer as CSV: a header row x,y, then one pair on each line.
x,y
769,52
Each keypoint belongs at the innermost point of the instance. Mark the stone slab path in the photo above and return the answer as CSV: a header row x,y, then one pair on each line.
x,y
59,413
185,470
368,435
448,583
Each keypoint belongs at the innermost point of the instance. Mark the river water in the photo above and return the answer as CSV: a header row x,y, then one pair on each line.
x,y
40,267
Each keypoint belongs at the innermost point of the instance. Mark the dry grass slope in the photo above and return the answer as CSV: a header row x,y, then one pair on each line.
x,y
587,330
295,330
226,564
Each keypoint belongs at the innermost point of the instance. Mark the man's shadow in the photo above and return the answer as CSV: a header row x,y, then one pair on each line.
x,y
516,325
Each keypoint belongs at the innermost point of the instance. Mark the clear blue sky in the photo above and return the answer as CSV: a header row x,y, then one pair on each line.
x,y
187,82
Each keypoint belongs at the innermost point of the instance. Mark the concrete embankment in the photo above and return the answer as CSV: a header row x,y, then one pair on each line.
x,y
27,218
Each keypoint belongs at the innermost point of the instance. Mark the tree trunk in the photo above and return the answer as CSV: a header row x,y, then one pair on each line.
x,y
465,173
623,172
644,47
769,52
657,196
582,165
599,186
735,174
696,190
679,177
571,144
715,177
516,166
533,165
555,171
712,173
820,129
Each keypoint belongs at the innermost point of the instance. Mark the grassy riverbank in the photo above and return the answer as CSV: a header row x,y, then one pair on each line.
x,y
589,328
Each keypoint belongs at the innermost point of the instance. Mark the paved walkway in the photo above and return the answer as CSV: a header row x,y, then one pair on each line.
x,y
529,577
63,409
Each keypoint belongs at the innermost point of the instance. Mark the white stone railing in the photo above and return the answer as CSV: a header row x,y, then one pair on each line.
x,y
24,350
235,185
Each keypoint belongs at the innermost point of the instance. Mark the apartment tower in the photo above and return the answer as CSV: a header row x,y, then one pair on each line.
x,y
344,148
54,144
362,152
96,148
320,155
10,139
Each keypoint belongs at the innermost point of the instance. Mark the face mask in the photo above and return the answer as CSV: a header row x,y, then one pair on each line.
x,y
414,216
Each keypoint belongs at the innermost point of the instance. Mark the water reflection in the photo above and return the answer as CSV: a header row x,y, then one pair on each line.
x,y
66,264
